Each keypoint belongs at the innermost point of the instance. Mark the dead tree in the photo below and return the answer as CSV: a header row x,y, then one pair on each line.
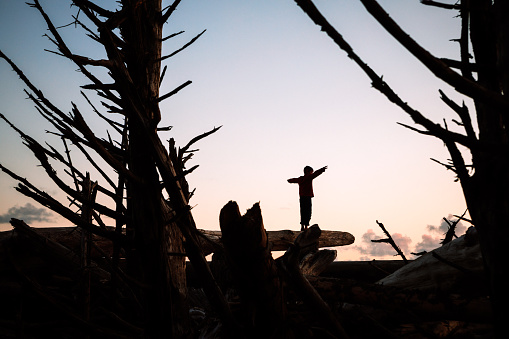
x,y
150,196
248,253
484,78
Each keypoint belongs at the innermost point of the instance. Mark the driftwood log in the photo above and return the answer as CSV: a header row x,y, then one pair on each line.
x,y
210,241
281,240
316,263
429,306
454,267
441,287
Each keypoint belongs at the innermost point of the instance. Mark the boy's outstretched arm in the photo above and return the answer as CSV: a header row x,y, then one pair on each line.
x,y
319,171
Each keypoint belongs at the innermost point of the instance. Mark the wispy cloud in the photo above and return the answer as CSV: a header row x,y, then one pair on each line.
x,y
444,226
28,213
428,243
366,250
369,248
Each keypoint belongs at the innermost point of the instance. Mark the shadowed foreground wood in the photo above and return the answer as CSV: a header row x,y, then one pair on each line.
x,y
253,269
455,266
425,304
314,303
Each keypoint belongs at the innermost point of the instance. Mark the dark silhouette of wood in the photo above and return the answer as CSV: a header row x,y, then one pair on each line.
x,y
484,178
281,240
390,241
130,280
254,271
362,271
289,263
316,263
428,305
156,224
455,267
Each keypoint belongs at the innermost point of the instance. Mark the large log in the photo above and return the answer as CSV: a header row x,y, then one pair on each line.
x,y
281,240
455,267
427,305
210,240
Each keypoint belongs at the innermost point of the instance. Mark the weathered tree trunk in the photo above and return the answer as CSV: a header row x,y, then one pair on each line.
x,y
485,182
254,270
164,299
487,190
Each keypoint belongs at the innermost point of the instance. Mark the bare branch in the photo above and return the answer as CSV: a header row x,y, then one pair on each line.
x,y
29,190
183,47
463,113
163,73
466,69
81,125
390,241
69,160
170,11
196,139
172,35
115,125
440,4
175,91
452,228
377,81
90,5
470,67
436,66
59,42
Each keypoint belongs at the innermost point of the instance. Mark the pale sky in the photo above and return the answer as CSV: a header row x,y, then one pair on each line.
x,y
285,95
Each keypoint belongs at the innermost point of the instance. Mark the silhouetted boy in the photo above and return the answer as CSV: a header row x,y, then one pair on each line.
x,y
306,193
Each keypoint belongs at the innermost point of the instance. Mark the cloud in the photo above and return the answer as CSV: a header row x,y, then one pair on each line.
x,y
444,226
369,248
431,241
427,244
365,250
28,213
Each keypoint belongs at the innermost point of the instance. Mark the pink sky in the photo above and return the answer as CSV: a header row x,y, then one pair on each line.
x,y
286,97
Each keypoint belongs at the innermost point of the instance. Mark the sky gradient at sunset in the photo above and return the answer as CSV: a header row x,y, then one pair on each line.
x,y
285,95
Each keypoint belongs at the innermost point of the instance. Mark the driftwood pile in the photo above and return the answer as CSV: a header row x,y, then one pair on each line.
x,y
47,290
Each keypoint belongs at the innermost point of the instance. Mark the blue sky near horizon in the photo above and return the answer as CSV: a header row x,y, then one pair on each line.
x,y
285,95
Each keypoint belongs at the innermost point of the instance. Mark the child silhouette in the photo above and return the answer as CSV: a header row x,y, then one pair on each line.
x,y
306,193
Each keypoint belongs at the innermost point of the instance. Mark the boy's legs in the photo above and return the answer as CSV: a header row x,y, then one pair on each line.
x,y
305,212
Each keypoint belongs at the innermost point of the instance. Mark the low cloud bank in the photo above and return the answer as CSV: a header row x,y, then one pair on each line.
x,y
429,241
28,213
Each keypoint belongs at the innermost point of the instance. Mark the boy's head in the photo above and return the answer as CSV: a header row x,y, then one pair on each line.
x,y
308,169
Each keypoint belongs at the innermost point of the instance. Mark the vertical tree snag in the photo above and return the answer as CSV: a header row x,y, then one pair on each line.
x,y
150,197
484,79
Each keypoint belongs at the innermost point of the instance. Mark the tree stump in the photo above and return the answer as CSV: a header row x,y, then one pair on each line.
x,y
253,269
